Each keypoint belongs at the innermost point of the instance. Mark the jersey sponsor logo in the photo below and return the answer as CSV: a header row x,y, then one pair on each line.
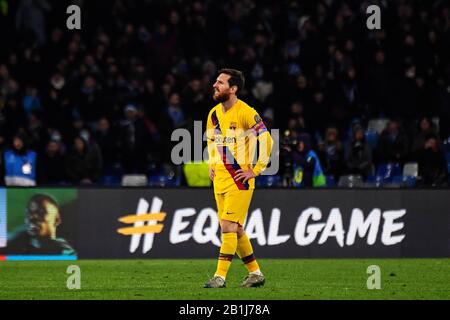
x,y
220,139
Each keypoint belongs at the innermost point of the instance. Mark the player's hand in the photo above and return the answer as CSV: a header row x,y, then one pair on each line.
x,y
245,175
212,173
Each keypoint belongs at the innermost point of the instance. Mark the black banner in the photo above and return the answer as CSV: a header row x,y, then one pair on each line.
x,y
182,223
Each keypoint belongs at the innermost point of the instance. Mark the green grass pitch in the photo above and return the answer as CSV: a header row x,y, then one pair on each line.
x,y
183,279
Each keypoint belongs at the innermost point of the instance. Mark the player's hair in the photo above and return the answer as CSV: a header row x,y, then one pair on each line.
x,y
236,78
36,207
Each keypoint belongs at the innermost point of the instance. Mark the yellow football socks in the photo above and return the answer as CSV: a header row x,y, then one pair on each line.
x,y
227,251
245,252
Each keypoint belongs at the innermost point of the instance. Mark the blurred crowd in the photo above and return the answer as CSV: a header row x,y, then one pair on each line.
x,y
106,98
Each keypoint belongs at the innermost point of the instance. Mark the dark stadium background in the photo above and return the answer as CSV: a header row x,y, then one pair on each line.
x,y
311,67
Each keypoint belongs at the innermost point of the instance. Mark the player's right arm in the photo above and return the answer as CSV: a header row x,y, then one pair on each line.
x,y
211,146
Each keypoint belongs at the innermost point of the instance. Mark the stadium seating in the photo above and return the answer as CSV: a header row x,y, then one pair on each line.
x,y
372,138
134,180
436,121
393,185
331,181
411,169
374,181
163,180
268,181
377,125
110,180
153,168
351,181
388,170
404,181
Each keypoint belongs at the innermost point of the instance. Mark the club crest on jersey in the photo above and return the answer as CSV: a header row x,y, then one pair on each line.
x,y
233,125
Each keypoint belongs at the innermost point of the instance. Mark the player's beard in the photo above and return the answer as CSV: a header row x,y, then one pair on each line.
x,y
221,97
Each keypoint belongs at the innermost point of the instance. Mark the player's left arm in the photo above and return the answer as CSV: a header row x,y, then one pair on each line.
x,y
259,129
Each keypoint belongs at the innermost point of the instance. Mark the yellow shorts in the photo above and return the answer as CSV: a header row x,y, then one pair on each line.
x,y
233,205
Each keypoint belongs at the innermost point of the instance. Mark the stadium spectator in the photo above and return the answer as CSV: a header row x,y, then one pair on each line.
x,y
135,141
359,155
193,98
331,153
54,162
175,111
57,112
432,164
378,79
296,117
84,162
30,18
426,128
163,57
31,102
38,133
90,101
107,139
306,164
393,145
20,163
15,118
288,144
319,117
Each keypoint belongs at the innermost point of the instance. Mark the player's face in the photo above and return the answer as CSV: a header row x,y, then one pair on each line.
x,y
51,222
222,88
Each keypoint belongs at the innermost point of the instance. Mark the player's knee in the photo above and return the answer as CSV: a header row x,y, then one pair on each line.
x,y
229,226
240,231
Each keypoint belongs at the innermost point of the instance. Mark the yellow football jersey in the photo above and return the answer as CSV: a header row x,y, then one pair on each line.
x,y
232,138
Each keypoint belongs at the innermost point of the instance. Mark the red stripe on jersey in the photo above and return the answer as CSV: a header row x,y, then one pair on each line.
x,y
230,168
259,128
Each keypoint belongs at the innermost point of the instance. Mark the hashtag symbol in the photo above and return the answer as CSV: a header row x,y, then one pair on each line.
x,y
156,228
144,224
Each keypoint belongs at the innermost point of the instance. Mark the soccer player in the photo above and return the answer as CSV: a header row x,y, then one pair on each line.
x,y
233,130
38,235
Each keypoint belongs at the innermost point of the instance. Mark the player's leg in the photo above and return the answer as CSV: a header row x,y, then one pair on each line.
x,y
228,247
226,254
245,252
255,278
233,210
229,222
244,249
